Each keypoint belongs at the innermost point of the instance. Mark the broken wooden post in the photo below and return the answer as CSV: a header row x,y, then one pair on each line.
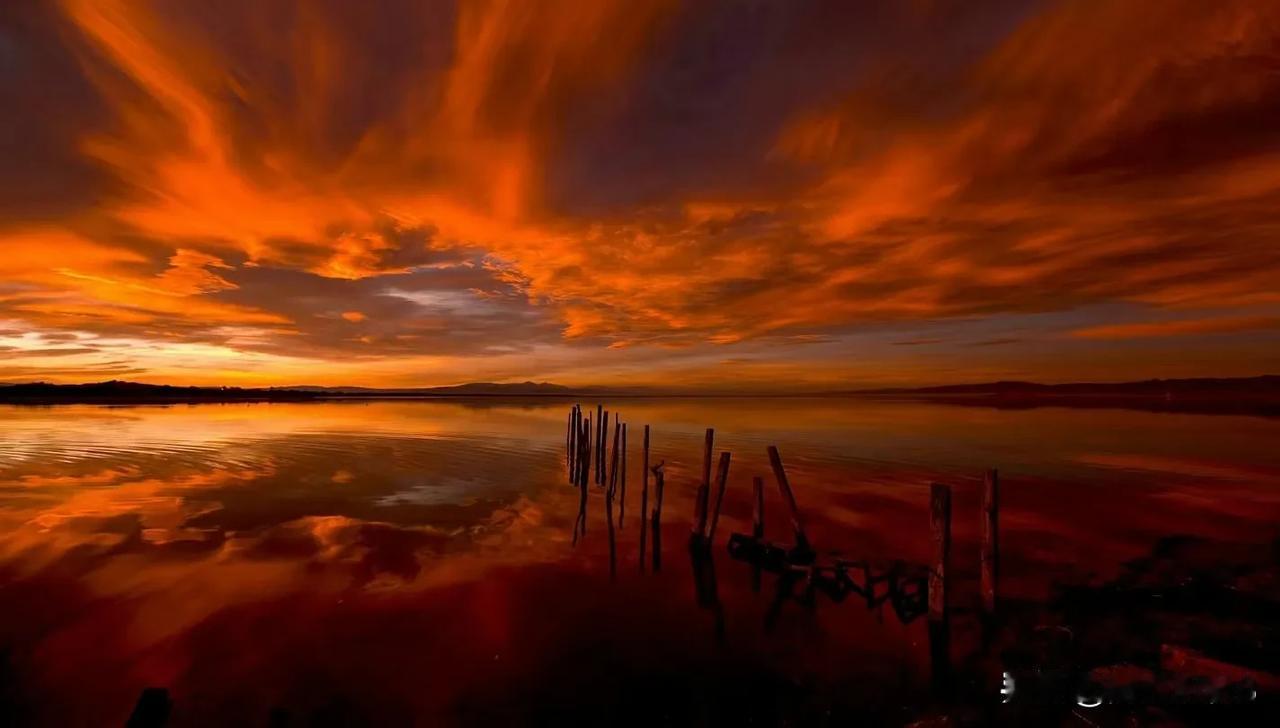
x,y
658,485
595,454
703,496
722,475
608,517
622,485
757,526
575,416
939,621
612,485
603,480
990,540
757,514
797,524
644,494
940,534
584,474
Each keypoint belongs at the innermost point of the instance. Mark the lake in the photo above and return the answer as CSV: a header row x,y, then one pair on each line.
x,y
401,562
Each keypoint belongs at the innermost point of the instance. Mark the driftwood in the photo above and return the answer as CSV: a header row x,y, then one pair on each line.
x,y
898,584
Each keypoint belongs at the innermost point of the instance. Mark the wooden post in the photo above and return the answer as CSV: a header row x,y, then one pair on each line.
x,y
584,473
604,451
595,454
608,516
622,486
644,494
757,526
659,481
574,418
722,476
702,499
990,540
706,457
612,485
757,515
797,524
940,534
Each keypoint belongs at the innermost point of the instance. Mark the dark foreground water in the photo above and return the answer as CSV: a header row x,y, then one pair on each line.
x,y
410,562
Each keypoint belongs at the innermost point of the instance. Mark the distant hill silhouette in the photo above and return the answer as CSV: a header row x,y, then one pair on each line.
x,y
472,389
1242,395
1252,395
135,392
1148,387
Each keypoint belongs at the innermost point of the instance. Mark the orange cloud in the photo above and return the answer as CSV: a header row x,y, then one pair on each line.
x,y
1226,325
484,179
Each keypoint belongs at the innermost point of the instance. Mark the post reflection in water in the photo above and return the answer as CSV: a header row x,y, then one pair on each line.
x,y
400,561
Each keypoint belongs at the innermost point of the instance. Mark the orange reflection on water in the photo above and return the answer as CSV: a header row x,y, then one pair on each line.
x,y
408,558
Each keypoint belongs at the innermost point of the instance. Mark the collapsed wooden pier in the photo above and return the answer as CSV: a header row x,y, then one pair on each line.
x,y
910,588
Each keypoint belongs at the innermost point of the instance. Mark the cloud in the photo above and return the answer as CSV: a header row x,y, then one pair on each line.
x,y
476,178
1183,327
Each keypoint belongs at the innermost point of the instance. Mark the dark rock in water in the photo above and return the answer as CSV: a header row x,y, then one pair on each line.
x,y
152,710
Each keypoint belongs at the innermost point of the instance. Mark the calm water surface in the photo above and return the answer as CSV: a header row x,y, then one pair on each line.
x,y
410,562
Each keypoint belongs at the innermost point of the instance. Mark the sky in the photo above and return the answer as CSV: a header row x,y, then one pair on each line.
x,y
782,194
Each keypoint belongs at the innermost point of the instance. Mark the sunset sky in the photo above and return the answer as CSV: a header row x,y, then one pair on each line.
x,y
741,193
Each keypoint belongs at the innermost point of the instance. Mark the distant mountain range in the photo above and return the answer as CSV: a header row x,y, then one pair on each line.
x,y
483,389
1148,387
1246,394
1243,395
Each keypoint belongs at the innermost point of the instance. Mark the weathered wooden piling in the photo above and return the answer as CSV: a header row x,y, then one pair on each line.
x,y
757,513
940,534
612,485
608,518
703,496
644,494
603,478
990,540
656,523
722,477
575,418
757,525
595,454
797,524
622,483
584,474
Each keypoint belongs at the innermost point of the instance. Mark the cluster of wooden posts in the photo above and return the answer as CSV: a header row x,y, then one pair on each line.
x,y
587,454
